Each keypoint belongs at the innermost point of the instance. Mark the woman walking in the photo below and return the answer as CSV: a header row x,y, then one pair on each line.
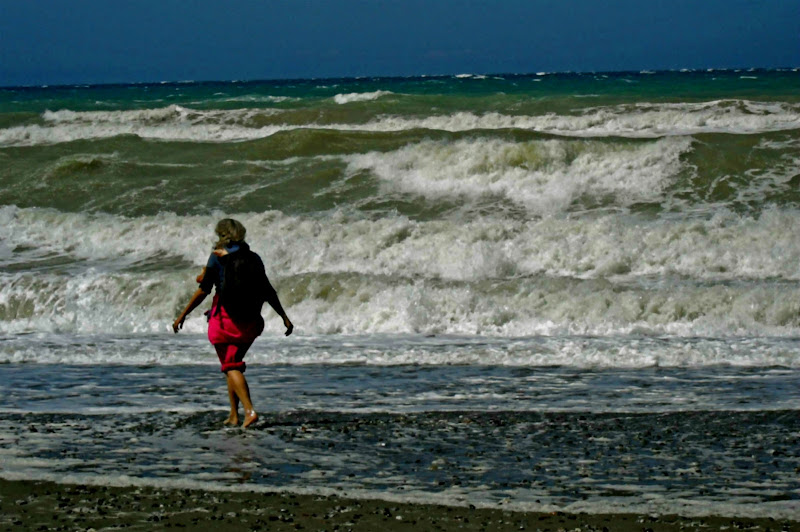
x,y
235,318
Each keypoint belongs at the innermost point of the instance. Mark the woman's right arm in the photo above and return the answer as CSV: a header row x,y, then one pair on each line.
x,y
197,298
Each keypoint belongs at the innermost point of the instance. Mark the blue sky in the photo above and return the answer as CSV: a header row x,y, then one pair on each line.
x,y
104,41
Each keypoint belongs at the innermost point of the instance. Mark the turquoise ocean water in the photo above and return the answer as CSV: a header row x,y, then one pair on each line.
x,y
574,291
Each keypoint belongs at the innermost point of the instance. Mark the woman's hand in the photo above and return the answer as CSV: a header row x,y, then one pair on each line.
x,y
197,298
178,324
288,324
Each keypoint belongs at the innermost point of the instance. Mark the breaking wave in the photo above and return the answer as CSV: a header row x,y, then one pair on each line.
x,y
177,123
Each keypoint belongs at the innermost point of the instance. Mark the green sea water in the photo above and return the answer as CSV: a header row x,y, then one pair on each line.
x,y
187,148
665,202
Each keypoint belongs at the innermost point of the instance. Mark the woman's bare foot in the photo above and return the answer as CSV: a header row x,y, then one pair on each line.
x,y
232,420
250,417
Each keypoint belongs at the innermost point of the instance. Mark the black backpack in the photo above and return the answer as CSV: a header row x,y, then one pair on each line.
x,y
242,287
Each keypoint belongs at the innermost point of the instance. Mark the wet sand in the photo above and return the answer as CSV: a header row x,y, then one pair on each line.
x,y
30,505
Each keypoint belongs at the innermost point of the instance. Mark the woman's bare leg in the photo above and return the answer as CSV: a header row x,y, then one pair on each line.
x,y
238,383
233,418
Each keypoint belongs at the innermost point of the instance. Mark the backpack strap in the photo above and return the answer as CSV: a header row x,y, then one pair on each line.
x,y
221,273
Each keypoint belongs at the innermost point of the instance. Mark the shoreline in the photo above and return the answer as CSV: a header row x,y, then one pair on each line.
x,y
44,505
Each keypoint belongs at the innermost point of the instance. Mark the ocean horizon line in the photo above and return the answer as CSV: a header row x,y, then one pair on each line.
x,y
462,75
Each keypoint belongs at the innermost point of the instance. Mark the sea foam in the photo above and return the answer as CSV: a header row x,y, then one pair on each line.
x,y
643,120
544,176
724,247
613,274
360,96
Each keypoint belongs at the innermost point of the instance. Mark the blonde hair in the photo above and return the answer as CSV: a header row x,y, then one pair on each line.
x,y
229,231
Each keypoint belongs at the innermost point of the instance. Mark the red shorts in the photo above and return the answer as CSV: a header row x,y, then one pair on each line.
x,y
232,339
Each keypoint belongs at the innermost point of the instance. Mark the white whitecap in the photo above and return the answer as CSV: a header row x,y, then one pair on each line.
x,y
342,99
641,120
607,275
545,177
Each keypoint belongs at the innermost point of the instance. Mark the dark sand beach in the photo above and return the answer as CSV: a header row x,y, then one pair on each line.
x,y
30,505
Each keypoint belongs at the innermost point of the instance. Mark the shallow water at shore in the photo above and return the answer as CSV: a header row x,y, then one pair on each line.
x,y
540,439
